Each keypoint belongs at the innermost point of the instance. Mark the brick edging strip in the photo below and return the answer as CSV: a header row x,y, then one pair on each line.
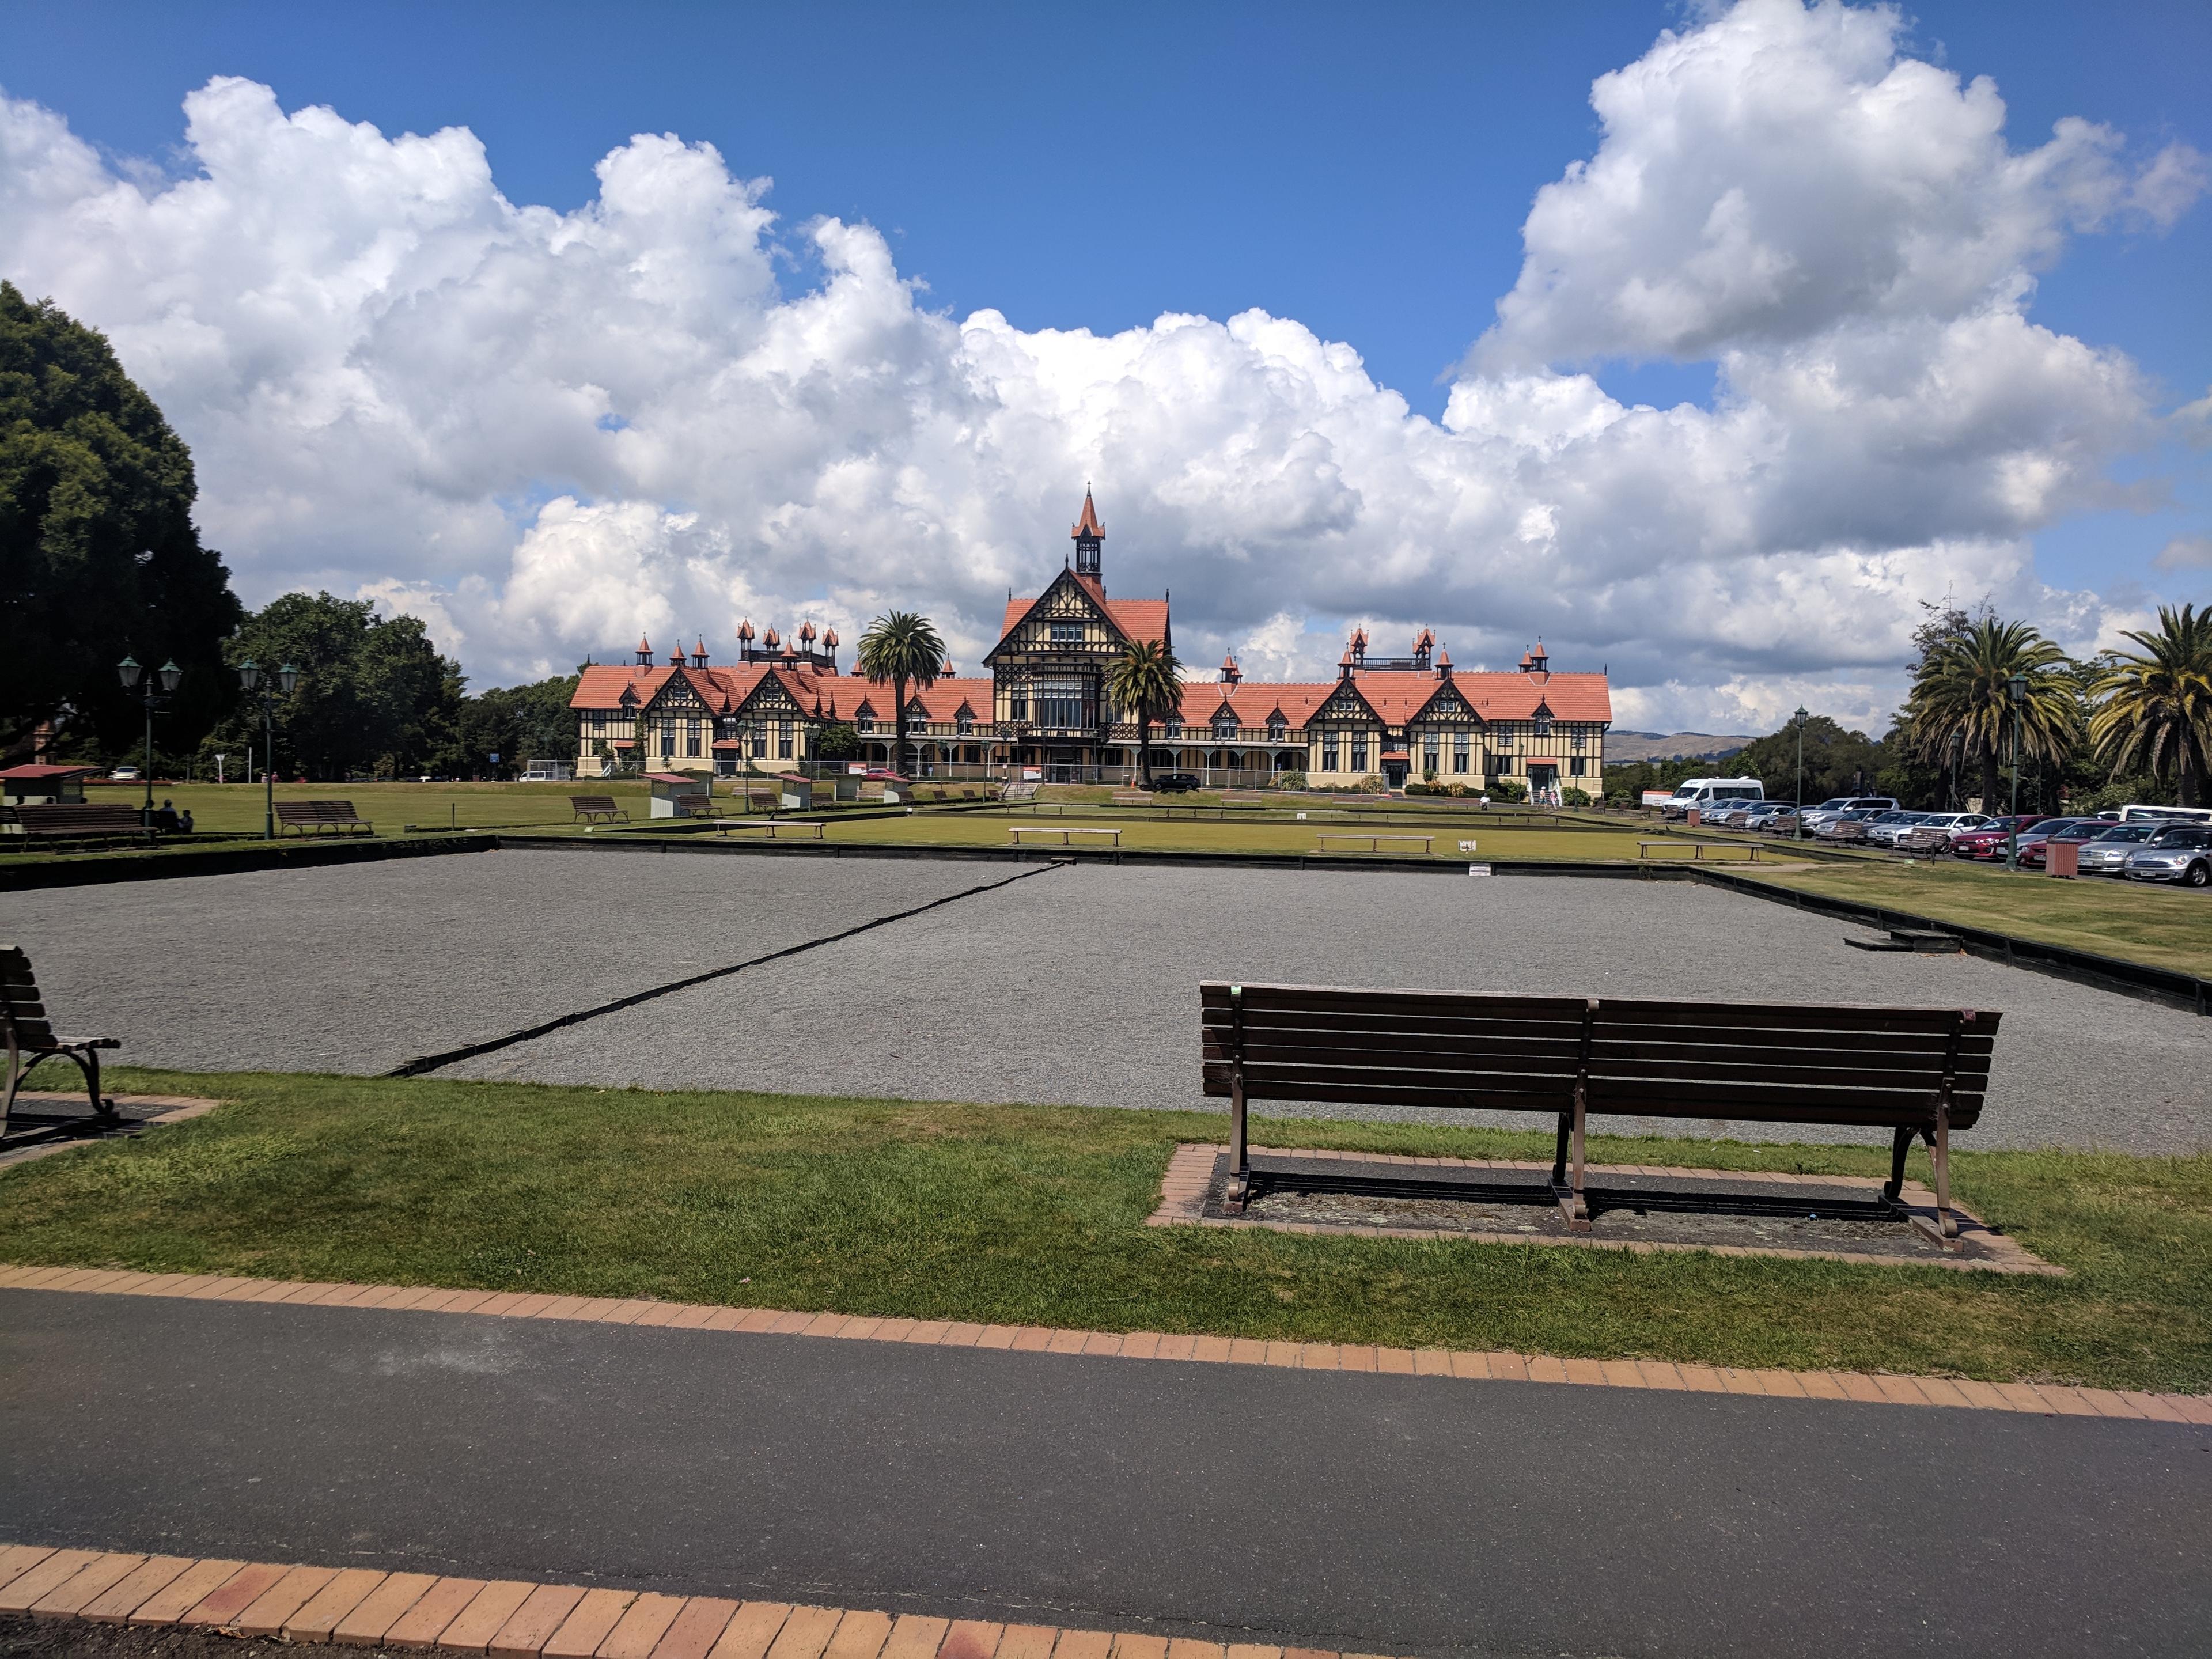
x,y
2041,1398
362,1607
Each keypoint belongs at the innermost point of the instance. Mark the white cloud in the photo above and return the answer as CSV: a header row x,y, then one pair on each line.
x,y
2184,553
544,432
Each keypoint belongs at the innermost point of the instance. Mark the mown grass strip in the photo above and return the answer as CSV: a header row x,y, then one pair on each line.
x,y
1034,1215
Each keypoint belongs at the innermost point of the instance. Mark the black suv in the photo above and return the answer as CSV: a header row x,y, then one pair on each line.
x,y
1175,783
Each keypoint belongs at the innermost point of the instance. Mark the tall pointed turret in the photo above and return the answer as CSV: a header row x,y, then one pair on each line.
x,y
1088,533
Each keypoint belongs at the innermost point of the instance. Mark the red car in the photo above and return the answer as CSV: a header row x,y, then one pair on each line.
x,y
1990,841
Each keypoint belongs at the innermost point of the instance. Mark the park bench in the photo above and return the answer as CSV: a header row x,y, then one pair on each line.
x,y
1913,1071
1131,798
1242,798
81,821
771,828
1746,851
1427,844
1066,834
336,816
595,808
31,1039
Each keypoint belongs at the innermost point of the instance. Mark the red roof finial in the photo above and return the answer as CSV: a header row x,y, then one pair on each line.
x,y
806,633
1087,528
745,629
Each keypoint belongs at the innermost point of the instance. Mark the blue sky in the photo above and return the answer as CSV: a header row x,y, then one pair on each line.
x,y
1364,171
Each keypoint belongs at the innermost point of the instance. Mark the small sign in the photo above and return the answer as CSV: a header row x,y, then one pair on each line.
x,y
1467,846
1477,869
1302,818
495,760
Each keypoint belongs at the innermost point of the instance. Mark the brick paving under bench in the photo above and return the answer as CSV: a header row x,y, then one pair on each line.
x,y
2041,1398
1190,1178
360,1606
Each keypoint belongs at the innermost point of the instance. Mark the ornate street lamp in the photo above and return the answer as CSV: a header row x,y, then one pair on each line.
x,y
2018,686
155,694
251,677
1798,719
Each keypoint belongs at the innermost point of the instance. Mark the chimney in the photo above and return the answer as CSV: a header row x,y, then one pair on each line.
x,y
1443,663
699,652
1344,666
644,652
1231,674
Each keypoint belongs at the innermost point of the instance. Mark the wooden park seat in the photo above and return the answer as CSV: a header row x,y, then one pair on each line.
x,y
1913,1071
1427,844
596,808
1066,834
336,816
31,1039
773,828
81,821
1741,851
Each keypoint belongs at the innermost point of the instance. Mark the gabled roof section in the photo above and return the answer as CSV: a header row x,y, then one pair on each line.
x,y
1135,620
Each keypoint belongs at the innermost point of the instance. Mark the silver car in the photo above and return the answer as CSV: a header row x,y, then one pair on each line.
x,y
2175,854
1888,829
2107,854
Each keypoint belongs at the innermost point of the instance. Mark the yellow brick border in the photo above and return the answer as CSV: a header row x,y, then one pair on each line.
x,y
2040,1399
359,1606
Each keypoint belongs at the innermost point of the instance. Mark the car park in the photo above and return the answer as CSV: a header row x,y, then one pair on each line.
x,y
2106,853
2180,853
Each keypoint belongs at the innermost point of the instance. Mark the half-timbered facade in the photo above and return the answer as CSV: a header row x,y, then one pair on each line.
x,y
1044,708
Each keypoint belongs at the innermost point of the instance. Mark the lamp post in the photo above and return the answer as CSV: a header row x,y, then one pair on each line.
x,y
136,679
250,676
2018,686
1798,719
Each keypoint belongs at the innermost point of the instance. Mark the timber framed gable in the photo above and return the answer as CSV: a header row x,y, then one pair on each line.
x,y
1065,618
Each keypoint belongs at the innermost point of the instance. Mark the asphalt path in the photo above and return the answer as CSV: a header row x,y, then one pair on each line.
x,y
1242,1503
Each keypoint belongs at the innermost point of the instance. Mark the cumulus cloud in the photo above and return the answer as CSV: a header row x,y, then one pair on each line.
x,y
2184,553
544,432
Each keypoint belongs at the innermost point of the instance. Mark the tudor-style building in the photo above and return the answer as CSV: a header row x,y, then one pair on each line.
x,y
1044,706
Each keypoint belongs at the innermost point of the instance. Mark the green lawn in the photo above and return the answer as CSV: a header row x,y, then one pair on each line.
x,y
2163,926
237,808
1034,1215
1279,834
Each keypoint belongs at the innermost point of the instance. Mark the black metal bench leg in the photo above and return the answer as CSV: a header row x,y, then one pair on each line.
x,y
1900,1144
1559,1155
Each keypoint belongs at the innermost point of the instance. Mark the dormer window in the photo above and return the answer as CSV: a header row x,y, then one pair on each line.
x,y
1225,725
1543,722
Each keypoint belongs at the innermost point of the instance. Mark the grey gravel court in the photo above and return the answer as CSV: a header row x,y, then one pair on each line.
x,y
1074,984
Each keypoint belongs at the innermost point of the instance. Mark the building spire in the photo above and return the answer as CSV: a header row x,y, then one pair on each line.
x,y
1088,534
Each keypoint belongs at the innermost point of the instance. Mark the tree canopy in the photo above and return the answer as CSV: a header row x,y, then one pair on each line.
x,y
99,556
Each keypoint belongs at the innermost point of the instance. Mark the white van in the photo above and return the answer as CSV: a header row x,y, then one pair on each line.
x,y
1703,793
2165,815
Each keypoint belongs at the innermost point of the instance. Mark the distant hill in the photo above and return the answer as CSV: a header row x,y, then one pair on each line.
x,y
1622,748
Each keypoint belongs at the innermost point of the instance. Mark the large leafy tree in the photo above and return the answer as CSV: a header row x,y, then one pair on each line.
x,y
518,723
2154,708
374,695
1961,701
1838,761
901,649
1145,684
99,557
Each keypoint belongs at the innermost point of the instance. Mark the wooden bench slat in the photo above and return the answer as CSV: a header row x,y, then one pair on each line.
x,y
1215,993
1549,1101
1723,1016
1389,1047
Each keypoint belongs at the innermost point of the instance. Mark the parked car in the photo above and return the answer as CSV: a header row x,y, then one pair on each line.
x,y
1887,829
1951,825
1175,783
2035,849
125,775
1989,841
2105,853
1759,814
1865,806
2180,853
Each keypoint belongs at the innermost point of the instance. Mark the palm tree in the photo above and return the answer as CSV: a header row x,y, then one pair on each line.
x,y
1146,682
2156,711
900,647
1962,693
